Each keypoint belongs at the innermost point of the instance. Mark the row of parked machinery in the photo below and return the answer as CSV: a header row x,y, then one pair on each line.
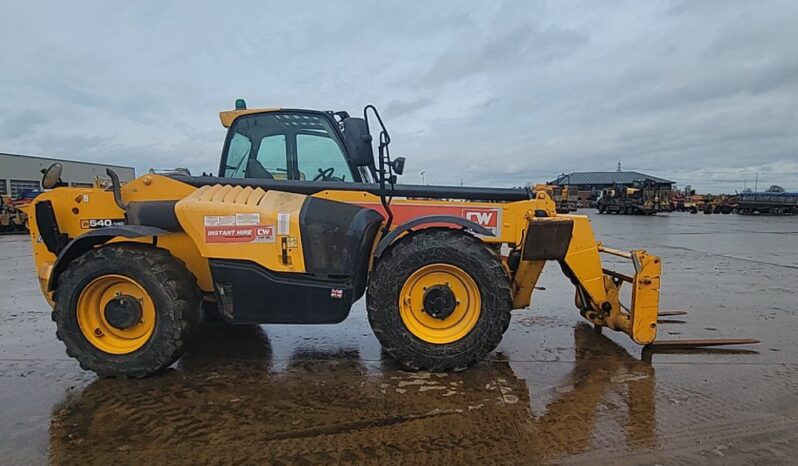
x,y
642,198
645,197
763,203
12,213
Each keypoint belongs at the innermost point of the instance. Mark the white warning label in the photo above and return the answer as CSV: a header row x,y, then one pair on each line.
x,y
283,223
245,219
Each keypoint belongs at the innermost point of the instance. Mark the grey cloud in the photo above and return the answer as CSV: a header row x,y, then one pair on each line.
x,y
13,124
398,108
525,45
493,93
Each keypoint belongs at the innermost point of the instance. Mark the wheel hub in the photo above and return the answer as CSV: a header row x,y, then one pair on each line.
x,y
123,312
439,301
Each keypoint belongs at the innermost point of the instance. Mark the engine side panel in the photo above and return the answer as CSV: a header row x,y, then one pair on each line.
x,y
234,222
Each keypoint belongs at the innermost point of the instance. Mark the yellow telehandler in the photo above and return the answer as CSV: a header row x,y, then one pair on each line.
x,y
302,221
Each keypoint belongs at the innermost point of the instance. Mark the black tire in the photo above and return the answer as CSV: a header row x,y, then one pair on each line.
x,y
433,246
211,313
167,281
601,209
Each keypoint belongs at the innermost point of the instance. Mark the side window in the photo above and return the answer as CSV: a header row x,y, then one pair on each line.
x,y
321,152
272,156
237,155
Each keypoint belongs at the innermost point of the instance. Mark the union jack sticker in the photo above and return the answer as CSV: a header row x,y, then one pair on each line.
x,y
336,293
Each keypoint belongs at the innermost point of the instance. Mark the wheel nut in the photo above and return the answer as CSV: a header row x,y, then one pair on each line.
x,y
98,332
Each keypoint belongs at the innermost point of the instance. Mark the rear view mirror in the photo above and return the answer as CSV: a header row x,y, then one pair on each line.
x,y
358,142
398,165
52,176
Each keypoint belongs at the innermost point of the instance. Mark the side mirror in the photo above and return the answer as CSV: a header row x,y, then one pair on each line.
x,y
358,142
52,176
398,165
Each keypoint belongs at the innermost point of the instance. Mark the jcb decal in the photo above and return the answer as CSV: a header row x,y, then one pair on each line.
x,y
87,223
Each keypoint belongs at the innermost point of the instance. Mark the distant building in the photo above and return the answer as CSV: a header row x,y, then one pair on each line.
x,y
20,173
589,184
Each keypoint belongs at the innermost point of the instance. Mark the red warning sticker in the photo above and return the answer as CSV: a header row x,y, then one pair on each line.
x,y
239,234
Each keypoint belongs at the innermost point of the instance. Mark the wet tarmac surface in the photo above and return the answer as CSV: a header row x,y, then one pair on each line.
x,y
553,392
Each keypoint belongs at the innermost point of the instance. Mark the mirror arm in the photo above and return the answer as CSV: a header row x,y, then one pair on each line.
x,y
384,172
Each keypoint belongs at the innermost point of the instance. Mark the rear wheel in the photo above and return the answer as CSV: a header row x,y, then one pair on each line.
x,y
439,300
126,309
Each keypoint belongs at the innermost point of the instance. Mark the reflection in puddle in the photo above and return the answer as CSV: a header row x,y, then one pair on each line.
x,y
227,402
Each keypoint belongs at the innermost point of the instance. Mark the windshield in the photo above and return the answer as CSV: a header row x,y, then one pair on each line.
x,y
285,146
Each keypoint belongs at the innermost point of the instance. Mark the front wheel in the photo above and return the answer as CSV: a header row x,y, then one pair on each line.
x,y
126,309
439,300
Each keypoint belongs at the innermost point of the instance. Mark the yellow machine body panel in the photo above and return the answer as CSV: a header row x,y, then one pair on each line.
x,y
81,210
507,220
234,222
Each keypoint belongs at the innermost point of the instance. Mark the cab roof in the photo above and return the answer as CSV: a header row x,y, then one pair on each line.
x,y
229,116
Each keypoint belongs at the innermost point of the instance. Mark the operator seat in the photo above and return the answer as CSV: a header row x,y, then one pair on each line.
x,y
255,169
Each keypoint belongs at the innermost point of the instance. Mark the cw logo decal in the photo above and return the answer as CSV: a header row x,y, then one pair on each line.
x,y
488,218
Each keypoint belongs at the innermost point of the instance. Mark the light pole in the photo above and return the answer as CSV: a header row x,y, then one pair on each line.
x,y
756,179
422,176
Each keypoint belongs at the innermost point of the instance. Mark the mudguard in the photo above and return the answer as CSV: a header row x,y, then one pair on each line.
x,y
87,241
427,220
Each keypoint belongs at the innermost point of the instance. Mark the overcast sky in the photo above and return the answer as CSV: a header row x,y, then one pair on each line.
x,y
490,93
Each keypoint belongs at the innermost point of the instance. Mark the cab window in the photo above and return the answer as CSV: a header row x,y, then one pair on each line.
x,y
237,154
272,156
319,156
285,146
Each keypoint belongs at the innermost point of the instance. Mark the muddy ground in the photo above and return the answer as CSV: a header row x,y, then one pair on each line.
x,y
554,391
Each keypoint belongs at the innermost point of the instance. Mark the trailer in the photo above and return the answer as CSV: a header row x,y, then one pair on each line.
x,y
767,203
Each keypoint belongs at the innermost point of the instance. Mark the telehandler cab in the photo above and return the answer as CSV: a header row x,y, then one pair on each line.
x,y
301,222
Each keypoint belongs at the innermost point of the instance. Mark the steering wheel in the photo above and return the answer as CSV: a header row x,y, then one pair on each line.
x,y
324,175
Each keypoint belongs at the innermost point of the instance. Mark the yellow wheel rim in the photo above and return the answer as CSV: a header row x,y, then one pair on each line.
x,y
454,326
92,315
